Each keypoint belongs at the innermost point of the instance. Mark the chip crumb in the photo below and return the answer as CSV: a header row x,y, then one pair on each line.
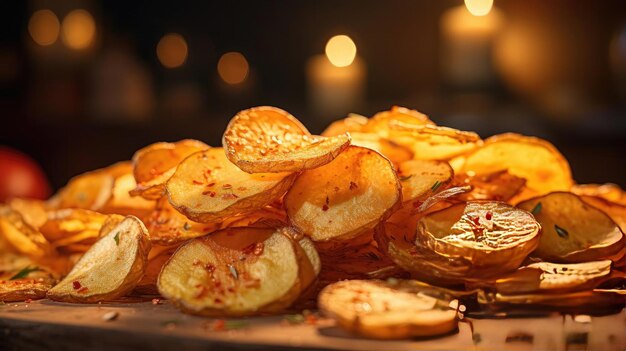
x,y
582,318
156,301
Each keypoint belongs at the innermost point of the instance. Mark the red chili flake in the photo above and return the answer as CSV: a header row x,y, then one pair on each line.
x,y
156,301
488,215
196,182
476,220
210,185
353,185
83,290
28,301
310,319
325,208
327,200
209,267
229,196
227,186
76,285
218,300
417,204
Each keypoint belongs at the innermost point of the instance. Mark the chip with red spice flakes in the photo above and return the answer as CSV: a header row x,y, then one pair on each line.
x,y
268,139
215,197
253,270
344,198
109,269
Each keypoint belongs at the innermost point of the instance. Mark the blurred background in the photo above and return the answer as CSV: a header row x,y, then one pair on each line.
x,y
85,83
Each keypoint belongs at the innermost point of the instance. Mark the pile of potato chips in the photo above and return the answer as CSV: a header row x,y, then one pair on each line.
x,y
386,222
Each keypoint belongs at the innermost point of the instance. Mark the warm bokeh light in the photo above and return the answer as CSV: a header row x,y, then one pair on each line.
x,y
43,27
79,29
341,50
233,68
172,50
479,7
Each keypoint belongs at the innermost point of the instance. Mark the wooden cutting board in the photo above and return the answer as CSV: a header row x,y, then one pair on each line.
x,y
46,325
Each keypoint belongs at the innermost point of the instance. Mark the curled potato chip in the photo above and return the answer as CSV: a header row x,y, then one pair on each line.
x,y
64,223
267,139
420,178
554,277
345,197
610,192
167,226
21,236
207,187
382,310
110,269
89,190
496,186
352,123
573,231
382,121
574,302
158,256
154,164
616,211
536,160
491,235
396,153
233,272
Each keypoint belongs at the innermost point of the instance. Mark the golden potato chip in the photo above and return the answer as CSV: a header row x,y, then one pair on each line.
x,y
352,123
21,236
608,191
154,164
345,197
573,231
110,269
121,202
266,215
536,160
64,223
233,272
383,310
616,211
596,302
207,187
554,277
89,190
158,256
382,121
267,139
33,211
491,235
496,186
420,178
21,289
167,226
394,152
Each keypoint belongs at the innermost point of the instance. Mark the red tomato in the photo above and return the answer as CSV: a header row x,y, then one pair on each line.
x,y
20,176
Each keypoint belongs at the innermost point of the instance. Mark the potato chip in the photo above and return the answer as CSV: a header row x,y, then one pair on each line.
x,y
121,202
616,211
420,178
158,256
33,211
597,302
382,121
536,160
110,269
496,186
233,272
608,191
267,139
154,164
207,187
380,310
64,223
573,231
25,289
167,226
352,123
394,152
21,236
89,190
345,197
491,235
554,277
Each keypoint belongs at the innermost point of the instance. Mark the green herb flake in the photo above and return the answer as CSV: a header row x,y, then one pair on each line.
x,y
294,318
186,226
476,338
233,271
24,272
117,238
435,186
405,178
536,209
561,232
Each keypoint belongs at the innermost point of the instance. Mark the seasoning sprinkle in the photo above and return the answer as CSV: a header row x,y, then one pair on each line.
x,y
186,226
435,186
24,272
561,232
536,209
117,238
233,271
405,178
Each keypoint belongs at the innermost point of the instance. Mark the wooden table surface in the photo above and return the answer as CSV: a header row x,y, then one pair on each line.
x,y
46,325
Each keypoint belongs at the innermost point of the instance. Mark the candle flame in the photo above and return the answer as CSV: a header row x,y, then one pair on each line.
x,y
479,7
341,50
